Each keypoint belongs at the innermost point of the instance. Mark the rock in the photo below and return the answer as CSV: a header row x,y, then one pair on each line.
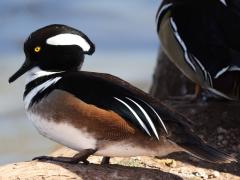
x,y
194,159
235,148
171,163
220,130
202,174
214,174
224,142
220,137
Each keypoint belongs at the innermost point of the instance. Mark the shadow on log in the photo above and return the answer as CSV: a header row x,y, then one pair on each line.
x,y
51,170
183,167
44,170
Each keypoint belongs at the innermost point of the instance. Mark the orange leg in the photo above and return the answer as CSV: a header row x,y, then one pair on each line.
x,y
189,97
197,91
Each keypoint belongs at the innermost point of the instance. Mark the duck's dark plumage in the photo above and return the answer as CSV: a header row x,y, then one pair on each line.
x,y
99,90
208,31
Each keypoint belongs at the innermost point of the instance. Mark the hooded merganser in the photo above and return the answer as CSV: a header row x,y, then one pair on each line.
x,y
202,39
97,113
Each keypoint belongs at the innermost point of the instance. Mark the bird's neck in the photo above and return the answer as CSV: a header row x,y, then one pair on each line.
x,y
38,83
36,73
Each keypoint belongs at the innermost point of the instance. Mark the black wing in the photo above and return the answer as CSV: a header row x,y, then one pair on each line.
x,y
111,93
136,107
208,33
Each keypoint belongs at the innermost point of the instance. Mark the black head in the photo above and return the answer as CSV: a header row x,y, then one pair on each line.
x,y
55,48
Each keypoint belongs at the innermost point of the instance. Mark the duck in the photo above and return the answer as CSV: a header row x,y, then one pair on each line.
x,y
201,38
97,113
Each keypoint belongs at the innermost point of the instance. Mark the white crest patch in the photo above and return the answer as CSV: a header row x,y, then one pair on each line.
x,y
69,39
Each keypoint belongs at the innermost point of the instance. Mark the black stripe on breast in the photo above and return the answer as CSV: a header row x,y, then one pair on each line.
x,y
31,85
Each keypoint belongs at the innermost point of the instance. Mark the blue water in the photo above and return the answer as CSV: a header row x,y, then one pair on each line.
x,y
126,46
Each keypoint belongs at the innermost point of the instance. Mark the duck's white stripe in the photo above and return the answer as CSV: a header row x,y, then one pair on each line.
x,y
224,2
160,119
202,67
147,117
39,88
69,39
135,115
36,72
181,42
166,6
220,94
221,72
210,80
228,68
234,68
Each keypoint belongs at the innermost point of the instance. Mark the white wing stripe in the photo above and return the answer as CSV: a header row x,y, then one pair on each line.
x,y
224,2
221,72
135,114
161,121
182,44
234,68
201,66
147,117
161,10
210,80
228,68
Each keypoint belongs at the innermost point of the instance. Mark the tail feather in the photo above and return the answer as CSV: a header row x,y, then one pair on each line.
x,y
182,135
206,152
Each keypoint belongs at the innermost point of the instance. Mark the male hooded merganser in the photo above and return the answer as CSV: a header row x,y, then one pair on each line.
x,y
97,113
202,39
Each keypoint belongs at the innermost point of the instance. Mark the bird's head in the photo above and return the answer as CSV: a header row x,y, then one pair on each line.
x,y
55,48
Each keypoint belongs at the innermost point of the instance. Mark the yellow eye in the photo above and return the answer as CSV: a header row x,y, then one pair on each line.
x,y
37,49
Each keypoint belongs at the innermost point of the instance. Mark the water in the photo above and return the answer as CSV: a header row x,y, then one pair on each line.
x,y
126,46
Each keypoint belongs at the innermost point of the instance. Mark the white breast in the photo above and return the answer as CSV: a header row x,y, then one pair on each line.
x,y
125,149
63,133
79,139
